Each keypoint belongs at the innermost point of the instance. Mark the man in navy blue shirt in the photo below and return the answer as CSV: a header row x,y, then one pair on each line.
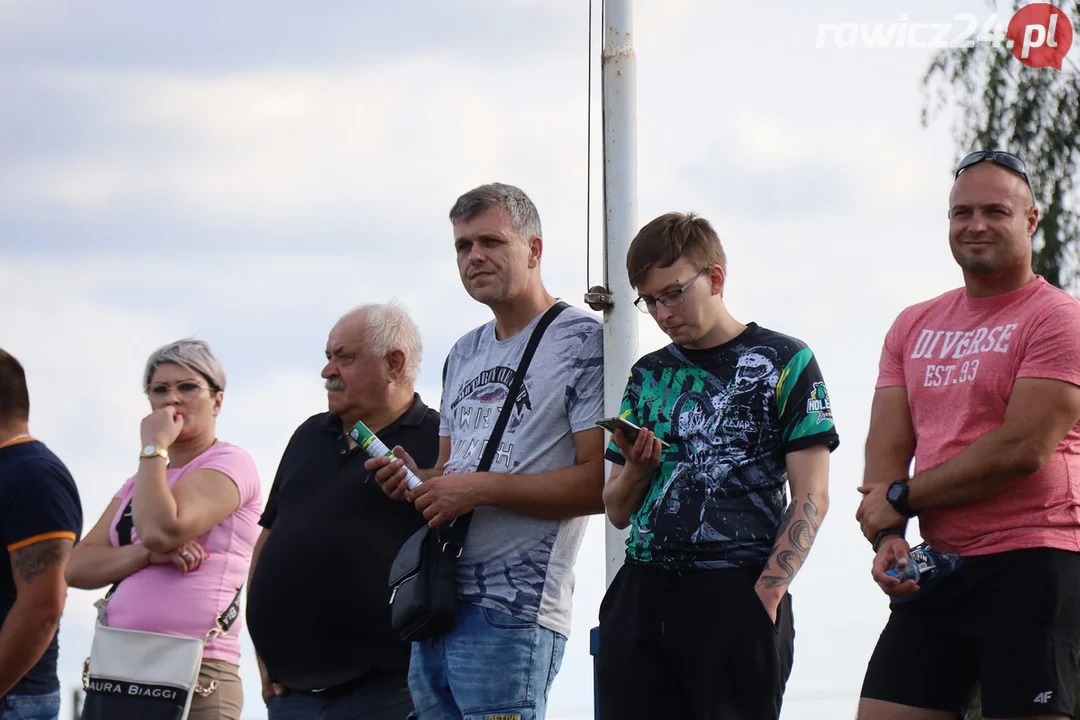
x,y
40,521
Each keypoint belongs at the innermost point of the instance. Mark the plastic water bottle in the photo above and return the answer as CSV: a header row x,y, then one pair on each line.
x,y
925,564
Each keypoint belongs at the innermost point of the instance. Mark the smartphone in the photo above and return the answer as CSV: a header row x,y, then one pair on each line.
x,y
612,424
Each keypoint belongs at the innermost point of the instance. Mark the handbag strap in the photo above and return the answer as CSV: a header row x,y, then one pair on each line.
x,y
224,621
452,537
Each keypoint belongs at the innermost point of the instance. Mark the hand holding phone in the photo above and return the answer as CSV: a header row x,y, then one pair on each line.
x,y
629,429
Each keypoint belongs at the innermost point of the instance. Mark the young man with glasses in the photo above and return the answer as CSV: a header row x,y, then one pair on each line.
x,y
981,386
698,622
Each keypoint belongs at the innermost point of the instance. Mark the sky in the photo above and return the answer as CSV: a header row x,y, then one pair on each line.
x,y
247,172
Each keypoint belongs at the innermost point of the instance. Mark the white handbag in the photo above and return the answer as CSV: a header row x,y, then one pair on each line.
x,y
137,675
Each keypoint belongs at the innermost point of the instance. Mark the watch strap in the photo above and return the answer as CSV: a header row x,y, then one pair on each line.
x,y
881,536
158,451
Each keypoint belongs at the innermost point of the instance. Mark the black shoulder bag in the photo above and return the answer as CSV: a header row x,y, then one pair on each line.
x,y
423,577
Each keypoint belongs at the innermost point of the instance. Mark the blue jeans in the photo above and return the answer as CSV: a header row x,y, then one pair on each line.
x,y
383,697
30,707
489,664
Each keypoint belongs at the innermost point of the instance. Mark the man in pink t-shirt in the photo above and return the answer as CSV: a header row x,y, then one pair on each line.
x,y
981,386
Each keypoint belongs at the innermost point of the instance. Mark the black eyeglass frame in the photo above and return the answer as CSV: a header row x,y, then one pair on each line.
x,y
678,294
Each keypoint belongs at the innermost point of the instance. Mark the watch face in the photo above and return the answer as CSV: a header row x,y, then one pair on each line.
x,y
896,492
149,449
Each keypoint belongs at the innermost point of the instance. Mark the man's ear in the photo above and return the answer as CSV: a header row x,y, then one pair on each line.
x,y
395,362
536,251
717,279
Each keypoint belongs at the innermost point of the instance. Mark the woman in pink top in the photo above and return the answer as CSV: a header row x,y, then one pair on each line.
x,y
178,535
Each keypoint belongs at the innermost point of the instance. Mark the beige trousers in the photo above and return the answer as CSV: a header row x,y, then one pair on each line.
x,y
224,703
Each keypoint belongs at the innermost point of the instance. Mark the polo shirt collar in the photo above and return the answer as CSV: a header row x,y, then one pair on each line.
x,y
412,417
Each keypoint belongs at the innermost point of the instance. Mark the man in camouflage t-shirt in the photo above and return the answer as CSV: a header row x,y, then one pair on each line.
x,y
515,573
698,622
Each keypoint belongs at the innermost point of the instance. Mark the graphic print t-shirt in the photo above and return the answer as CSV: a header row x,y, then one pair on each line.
x,y
958,358
514,563
729,414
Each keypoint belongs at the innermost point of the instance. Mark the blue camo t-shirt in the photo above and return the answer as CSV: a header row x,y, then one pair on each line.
x,y
514,563
38,502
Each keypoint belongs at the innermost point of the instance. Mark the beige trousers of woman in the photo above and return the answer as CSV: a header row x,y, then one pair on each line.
x,y
224,703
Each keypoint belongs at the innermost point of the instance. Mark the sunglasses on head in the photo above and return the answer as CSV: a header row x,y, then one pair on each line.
x,y
999,157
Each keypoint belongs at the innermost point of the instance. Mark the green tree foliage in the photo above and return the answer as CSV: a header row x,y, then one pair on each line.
x,y
1000,103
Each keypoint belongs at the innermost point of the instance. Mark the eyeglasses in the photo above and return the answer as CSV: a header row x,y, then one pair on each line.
x,y
186,389
1006,160
669,299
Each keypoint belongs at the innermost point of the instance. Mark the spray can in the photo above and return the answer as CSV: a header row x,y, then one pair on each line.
x,y
375,447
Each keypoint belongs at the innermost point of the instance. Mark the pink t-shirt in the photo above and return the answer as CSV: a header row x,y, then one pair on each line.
x,y
958,358
159,598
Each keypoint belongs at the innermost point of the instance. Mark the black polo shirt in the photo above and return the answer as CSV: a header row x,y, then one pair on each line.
x,y
318,606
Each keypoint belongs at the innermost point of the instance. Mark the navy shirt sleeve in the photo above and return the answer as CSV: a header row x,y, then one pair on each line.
x,y
37,503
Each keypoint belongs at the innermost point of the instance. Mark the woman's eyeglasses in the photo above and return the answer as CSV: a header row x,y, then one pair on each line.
x,y
186,389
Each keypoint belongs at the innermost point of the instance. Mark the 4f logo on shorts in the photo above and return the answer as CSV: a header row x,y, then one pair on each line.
x,y
1043,697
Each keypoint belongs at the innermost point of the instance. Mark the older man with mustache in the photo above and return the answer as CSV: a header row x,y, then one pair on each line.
x,y
317,606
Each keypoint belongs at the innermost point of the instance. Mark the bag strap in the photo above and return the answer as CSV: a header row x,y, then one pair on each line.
x,y
224,621
124,526
227,618
452,537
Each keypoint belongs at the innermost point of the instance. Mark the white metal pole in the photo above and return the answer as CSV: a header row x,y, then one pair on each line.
x,y
619,101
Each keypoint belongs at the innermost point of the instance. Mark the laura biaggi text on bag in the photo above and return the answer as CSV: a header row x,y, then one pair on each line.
x,y
137,675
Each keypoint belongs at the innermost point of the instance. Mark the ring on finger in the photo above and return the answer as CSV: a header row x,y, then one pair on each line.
x,y
185,553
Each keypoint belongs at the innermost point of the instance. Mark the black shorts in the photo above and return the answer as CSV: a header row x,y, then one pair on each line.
x,y
695,644
1009,622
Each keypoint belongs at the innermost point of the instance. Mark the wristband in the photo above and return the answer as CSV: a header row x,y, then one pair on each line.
x,y
898,531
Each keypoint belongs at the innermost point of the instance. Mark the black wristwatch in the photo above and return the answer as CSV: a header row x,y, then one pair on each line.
x,y
897,496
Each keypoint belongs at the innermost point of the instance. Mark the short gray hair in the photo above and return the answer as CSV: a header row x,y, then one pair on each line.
x,y
523,214
195,355
388,327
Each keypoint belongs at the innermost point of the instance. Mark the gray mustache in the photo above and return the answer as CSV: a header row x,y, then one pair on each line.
x,y
335,384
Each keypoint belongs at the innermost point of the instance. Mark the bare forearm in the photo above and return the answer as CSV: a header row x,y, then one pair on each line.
x,y
155,512
624,494
556,495
24,637
885,463
794,538
94,566
982,469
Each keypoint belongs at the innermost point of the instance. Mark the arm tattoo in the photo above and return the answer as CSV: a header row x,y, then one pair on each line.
x,y
33,560
800,534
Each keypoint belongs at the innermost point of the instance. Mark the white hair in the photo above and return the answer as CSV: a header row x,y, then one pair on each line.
x,y
388,327
195,355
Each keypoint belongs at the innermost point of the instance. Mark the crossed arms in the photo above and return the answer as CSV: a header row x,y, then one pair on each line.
x,y
1039,415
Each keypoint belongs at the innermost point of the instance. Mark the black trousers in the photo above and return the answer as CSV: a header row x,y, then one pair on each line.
x,y
691,644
